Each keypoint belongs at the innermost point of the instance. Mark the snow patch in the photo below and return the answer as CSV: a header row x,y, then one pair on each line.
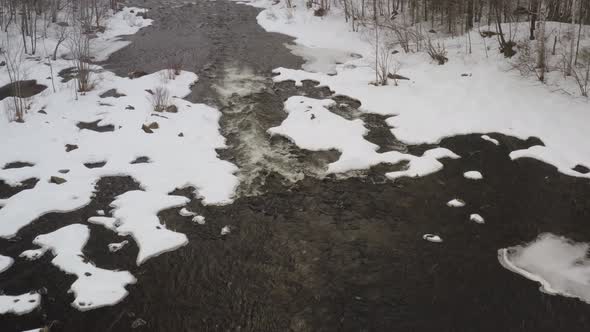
x,y
136,211
427,164
32,254
321,60
19,304
311,126
95,287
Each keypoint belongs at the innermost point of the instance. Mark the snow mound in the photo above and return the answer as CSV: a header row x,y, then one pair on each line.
x,y
95,287
456,203
560,265
19,304
473,175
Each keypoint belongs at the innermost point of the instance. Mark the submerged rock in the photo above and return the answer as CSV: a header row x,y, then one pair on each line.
x,y
57,180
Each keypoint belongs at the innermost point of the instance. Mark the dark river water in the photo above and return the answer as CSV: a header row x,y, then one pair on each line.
x,y
308,253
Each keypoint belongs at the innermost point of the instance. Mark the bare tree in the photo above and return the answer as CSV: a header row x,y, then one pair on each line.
x,y
581,72
541,41
572,44
160,99
79,45
437,52
14,57
61,35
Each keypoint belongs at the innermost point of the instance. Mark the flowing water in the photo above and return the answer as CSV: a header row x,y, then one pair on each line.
x,y
309,252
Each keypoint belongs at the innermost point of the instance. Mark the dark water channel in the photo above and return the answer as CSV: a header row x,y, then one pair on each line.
x,y
308,253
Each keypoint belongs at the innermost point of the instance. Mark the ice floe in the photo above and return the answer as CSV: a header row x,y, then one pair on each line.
x,y
456,203
473,175
5,263
432,238
225,230
477,218
560,265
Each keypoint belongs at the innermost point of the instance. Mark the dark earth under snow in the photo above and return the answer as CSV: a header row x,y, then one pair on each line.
x,y
319,254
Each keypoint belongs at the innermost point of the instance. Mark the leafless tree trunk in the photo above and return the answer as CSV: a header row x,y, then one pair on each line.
x,y
13,56
541,47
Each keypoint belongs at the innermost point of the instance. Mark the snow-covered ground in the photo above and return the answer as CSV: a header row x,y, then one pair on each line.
x,y
180,152
472,93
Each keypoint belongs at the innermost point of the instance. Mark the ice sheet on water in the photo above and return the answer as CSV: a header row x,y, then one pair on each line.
x,y
5,263
560,265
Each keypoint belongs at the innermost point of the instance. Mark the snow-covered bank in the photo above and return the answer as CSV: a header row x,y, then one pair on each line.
x,y
69,140
472,93
312,126
558,264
